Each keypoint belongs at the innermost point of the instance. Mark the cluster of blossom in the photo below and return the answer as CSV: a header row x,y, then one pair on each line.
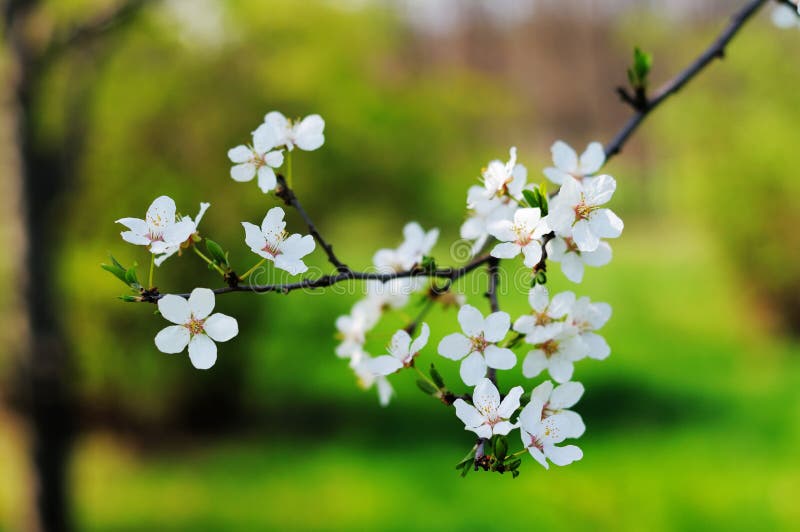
x,y
785,16
520,220
560,331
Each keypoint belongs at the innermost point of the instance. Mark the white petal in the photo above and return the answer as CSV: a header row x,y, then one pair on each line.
x,y
542,392
202,351
473,369
274,158
136,225
599,257
592,159
421,340
467,413
605,224
201,302
537,455
291,265
496,326
572,267
384,365
584,237
539,298
525,324
161,212
506,250
534,363
600,190
532,253
455,346
172,339
555,175
560,368
502,428
297,247
566,395
266,179
240,154
564,157
556,249
510,403
273,223
175,309
265,137
308,133
531,417
561,305
499,357
484,431
243,172
502,230
221,327
562,456
385,391
471,320
598,347
575,427
400,344
486,397
134,238
254,238
180,232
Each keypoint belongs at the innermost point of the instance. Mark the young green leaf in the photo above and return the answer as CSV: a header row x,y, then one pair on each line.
x,y
436,376
216,252
426,387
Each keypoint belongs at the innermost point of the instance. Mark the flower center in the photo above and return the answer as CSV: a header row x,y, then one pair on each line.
x,y
535,442
582,211
549,347
195,326
524,236
543,319
479,343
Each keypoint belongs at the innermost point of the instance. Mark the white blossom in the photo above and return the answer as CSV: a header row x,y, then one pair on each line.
x,y
786,17
258,159
416,244
272,242
588,317
306,134
361,363
164,250
505,179
558,401
522,235
568,164
489,415
195,326
556,353
540,435
545,315
401,351
484,212
576,212
565,251
476,347
159,230
352,328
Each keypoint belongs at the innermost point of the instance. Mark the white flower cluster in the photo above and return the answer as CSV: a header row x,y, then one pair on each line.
x,y
571,228
393,294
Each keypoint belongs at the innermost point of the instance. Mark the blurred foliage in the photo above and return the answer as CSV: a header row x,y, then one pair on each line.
x,y
687,419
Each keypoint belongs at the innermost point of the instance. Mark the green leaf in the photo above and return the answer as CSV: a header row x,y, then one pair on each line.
x,y
542,197
436,376
530,198
216,252
129,299
501,448
426,387
428,263
116,271
640,69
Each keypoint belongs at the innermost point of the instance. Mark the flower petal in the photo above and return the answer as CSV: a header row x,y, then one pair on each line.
x,y
496,326
243,172
471,320
221,327
266,179
564,157
584,237
535,361
566,395
592,159
201,302
505,250
202,351
473,369
254,238
308,133
172,339
598,347
561,305
510,403
605,224
240,154
421,340
467,413
455,346
400,344
175,309
384,365
565,455
499,357
560,368
486,397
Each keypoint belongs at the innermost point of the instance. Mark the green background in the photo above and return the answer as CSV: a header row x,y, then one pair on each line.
x,y
692,421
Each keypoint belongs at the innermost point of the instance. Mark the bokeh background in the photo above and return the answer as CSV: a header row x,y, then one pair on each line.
x,y
693,422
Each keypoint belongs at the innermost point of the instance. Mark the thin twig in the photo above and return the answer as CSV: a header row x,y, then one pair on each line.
x,y
715,51
289,197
